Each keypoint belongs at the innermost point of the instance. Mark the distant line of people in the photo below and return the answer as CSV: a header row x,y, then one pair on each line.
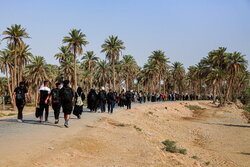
x,y
63,96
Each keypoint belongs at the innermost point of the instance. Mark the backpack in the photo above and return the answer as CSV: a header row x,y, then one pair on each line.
x,y
79,101
20,94
102,95
55,95
67,94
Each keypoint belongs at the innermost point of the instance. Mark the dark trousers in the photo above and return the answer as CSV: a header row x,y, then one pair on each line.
x,y
128,104
102,105
46,108
56,107
140,99
111,106
20,110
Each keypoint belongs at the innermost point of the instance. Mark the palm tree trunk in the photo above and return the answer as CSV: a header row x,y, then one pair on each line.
x,y
200,88
159,83
229,88
8,82
214,93
113,66
14,82
75,77
36,95
220,93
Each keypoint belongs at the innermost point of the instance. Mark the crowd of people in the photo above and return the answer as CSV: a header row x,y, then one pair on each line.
x,y
63,96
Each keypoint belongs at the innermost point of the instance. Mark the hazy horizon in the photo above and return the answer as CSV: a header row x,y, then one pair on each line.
x,y
185,30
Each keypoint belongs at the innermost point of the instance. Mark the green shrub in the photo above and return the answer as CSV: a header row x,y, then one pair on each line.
x,y
195,157
171,147
138,129
194,107
121,125
245,96
246,108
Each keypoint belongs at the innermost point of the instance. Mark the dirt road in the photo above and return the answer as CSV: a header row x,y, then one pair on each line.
x,y
131,138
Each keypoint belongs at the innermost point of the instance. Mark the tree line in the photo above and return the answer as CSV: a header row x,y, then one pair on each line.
x,y
222,74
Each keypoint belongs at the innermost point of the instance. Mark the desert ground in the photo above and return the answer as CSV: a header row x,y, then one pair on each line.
x,y
212,136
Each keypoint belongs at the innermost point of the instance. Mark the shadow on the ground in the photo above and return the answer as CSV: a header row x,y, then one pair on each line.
x,y
245,153
230,125
33,122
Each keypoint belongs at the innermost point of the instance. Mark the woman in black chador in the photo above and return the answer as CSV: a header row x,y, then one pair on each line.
x,y
92,100
78,109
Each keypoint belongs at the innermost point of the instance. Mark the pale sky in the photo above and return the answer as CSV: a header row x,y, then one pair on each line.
x,y
185,29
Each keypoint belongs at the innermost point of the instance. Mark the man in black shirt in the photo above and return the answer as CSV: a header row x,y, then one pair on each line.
x,y
19,95
43,99
66,95
55,100
111,98
129,97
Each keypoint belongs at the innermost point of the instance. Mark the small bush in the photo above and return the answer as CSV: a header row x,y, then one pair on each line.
x,y
151,113
247,108
171,147
195,157
245,96
194,107
138,129
121,125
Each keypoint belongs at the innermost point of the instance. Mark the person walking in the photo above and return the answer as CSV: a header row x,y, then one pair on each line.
x,y
92,100
148,97
19,95
102,96
140,97
43,99
111,98
66,95
79,98
55,100
129,97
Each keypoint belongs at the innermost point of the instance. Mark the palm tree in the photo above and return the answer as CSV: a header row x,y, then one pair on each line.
x,y
64,52
178,73
160,61
23,57
15,35
216,76
192,78
102,73
129,69
112,47
76,40
67,67
53,73
149,74
90,61
235,63
36,73
6,60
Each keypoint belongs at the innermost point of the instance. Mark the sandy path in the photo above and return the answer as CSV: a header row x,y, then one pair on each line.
x,y
218,137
